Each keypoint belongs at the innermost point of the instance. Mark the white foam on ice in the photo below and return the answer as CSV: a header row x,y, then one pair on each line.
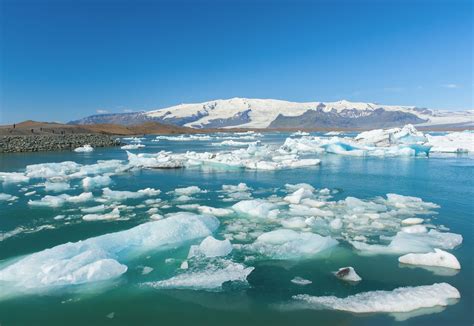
x,y
403,299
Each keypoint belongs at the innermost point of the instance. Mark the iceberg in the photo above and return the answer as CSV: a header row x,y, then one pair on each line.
x,y
438,258
103,257
95,182
132,146
84,149
403,243
348,274
57,201
256,208
7,197
289,244
211,279
117,195
403,299
454,142
211,247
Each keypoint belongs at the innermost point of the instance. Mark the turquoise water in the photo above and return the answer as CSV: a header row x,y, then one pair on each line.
x,y
444,180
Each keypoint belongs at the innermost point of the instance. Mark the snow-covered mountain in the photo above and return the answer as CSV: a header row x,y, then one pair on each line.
x,y
269,113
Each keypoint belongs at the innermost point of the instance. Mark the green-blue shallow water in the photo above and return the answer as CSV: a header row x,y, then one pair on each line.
x,y
444,180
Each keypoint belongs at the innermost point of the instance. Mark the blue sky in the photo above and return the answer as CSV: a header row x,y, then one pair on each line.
x,y
62,60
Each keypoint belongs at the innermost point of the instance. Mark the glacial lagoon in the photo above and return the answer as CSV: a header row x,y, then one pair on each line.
x,y
246,229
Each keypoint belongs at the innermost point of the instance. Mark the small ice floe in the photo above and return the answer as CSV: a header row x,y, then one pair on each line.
x,y
84,149
438,258
415,229
290,244
111,315
347,274
412,221
399,300
211,278
7,197
113,215
300,281
211,247
117,195
184,265
188,191
132,146
57,201
56,186
147,270
95,182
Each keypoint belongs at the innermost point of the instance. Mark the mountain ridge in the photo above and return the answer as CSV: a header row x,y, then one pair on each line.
x,y
271,113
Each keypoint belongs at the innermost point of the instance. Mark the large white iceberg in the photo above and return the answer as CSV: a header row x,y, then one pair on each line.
x,y
289,244
402,299
103,257
438,258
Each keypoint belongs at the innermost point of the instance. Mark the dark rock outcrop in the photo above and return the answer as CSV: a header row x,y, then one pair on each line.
x,y
37,143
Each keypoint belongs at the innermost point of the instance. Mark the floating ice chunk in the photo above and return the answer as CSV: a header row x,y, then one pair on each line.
x,y
257,208
124,195
300,281
56,186
161,160
415,229
402,299
233,143
113,215
412,221
403,243
388,137
454,142
84,149
103,257
347,274
183,198
439,258
132,146
214,211
298,195
93,209
294,223
184,265
211,247
57,201
7,197
97,181
212,278
147,270
156,216
295,187
188,191
336,224
238,188
289,244
59,217
52,170
332,133
13,177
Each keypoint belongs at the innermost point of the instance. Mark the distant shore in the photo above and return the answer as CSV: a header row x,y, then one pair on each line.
x,y
33,136
56,142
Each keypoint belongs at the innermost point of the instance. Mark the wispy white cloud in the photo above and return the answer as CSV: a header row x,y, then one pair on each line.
x,y
101,111
450,86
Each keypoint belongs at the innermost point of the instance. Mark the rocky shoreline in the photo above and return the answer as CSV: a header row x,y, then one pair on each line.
x,y
40,143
